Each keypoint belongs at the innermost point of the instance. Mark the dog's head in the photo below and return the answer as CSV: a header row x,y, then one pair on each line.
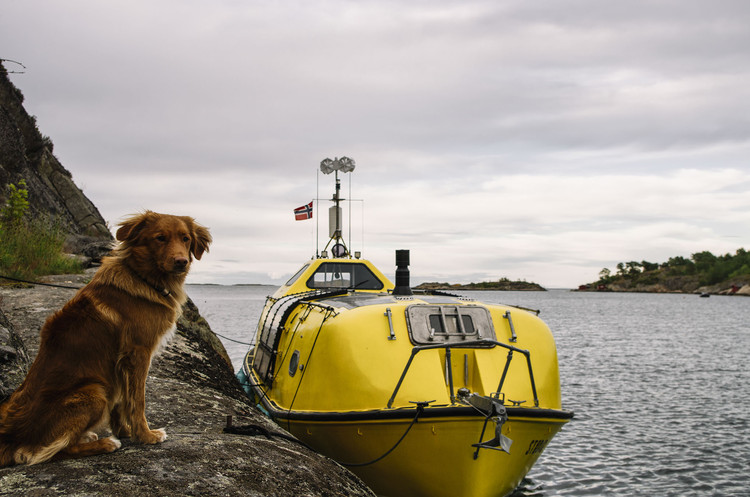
x,y
163,242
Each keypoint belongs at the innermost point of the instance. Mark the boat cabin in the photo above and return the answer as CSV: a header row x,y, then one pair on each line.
x,y
321,274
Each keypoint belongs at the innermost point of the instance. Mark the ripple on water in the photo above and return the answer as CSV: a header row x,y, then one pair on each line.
x,y
660,390
659,384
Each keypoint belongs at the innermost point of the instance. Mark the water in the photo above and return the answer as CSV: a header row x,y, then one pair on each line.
x,y
232,312
659,383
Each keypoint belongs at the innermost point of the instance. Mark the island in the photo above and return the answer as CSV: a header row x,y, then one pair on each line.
x,y
702,273
503,284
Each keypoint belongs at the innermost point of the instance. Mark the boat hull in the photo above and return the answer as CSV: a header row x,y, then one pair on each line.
x,y
441,447
402,388
427,452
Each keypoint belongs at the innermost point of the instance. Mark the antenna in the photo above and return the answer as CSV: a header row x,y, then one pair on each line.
x,y
15,62
328,166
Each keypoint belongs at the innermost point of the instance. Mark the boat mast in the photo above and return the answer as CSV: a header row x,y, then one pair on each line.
x,y
327,166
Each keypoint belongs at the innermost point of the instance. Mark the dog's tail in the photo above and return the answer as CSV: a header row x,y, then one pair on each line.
x,y
10,455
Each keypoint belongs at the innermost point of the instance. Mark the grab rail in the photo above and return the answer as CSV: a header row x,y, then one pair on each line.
x,y
419,348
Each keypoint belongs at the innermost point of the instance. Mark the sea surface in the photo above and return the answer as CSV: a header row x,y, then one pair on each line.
x,y
660,386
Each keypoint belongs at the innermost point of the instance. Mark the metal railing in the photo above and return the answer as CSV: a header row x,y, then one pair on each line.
x,y
419,348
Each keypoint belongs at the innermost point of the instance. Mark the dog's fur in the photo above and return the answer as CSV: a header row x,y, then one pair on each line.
x,y
95,353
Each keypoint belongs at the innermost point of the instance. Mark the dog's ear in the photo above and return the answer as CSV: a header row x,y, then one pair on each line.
x,y
201,239
131,227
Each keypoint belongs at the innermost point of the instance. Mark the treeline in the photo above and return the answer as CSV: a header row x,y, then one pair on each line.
x,y
710,269
503,284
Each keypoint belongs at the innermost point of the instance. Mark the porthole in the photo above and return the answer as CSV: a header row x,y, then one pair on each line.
x,y
293,363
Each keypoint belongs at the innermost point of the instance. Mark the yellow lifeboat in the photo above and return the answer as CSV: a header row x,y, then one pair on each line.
x,y
418,394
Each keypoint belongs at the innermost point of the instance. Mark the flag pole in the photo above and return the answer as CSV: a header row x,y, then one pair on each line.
x,y
317,217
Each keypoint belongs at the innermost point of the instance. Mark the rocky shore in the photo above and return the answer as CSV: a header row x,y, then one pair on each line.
x,y
191,390
737,286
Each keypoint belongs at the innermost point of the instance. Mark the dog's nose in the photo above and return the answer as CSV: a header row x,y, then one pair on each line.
x,y
180,262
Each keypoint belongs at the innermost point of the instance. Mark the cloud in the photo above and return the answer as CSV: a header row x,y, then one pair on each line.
x,y
534,140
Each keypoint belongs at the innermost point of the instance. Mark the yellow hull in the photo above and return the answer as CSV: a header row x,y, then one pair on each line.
x,y
435,459
402,388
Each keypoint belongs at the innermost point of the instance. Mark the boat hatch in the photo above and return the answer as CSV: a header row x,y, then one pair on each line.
x,y
344,275
430,324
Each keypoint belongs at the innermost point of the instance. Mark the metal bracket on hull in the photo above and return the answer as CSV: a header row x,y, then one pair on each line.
x,y
513,337
493,409
389,315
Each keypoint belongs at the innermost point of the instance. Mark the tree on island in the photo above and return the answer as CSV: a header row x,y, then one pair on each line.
x,y
704,268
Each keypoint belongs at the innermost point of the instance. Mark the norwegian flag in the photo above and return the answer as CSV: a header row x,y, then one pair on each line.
x,y
304,212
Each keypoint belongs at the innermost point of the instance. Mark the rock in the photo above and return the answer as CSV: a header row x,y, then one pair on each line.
x,y
26,154
92,248
14,362
7,353
191,389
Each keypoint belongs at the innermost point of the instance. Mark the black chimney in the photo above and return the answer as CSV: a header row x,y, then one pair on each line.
x,y
402,273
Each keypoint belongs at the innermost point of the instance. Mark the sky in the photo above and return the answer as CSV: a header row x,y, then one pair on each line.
x,y
540,141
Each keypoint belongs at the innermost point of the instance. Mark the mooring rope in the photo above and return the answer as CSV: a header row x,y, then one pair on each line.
x,y
78,288
256,430
420,409
39,283
232,339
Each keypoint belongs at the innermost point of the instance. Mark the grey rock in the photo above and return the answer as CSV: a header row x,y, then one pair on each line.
x,y
191,389
26,154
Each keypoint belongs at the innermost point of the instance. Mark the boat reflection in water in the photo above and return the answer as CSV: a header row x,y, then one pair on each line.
x,y
418,394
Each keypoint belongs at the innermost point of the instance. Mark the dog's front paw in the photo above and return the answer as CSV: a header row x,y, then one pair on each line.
x,y
111,444
161,433
154,436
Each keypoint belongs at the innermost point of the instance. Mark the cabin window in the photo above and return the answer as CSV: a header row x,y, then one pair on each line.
x,y
344,275
450,323
429,324
297,275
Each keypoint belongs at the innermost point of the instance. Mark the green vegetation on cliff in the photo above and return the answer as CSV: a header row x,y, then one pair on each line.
x,y
30,247
678,274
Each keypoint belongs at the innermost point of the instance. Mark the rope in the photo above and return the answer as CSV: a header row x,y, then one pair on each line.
x,y
256,430
39,283
420,409
78,288
231,339
260,389
253,431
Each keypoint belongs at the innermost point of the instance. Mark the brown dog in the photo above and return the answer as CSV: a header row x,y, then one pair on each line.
x,y
95,353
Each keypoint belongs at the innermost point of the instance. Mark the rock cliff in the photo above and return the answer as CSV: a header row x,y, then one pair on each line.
x,y
26,154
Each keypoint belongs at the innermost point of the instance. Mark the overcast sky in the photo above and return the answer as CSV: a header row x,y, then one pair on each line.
x,y
536,140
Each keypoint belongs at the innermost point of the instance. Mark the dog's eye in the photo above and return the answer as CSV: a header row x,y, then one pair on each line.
x,y
161,238
185,238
